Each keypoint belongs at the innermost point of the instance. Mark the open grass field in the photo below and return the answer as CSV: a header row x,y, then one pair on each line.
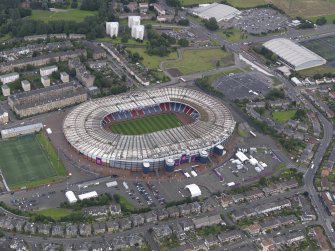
x,y
317,70
232,35
55,213
305,8
152,62
324,47
66,15
147,124
283,116
25,163
246,3
197,60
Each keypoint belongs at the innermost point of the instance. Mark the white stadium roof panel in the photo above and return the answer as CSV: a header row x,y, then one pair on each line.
x,y
83,129
218,11
295,55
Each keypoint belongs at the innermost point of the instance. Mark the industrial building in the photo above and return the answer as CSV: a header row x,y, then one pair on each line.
x,y
22,130
112,28
134,20
86,129
294,55
71,197
220,12
50,98
25,85
9,78
194,190
88,195
46,71
5,90
137,32
4,118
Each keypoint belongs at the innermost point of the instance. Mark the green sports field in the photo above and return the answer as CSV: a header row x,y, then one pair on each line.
x,y
146,124
24,163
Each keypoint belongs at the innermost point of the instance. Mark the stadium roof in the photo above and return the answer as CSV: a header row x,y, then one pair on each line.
x,y
194,190
218,11
295,55
84,131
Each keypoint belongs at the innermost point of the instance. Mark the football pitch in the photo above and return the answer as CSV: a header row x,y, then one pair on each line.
x,y
24,163
147,124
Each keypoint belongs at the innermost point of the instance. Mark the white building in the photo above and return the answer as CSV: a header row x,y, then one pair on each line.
x,y
137,32
45,81
71,197
112,28
134,20
294,55
64,77
46,71
4,118
22,130
25,85
5,90
88,195
194,190
159,9
9,78
220,12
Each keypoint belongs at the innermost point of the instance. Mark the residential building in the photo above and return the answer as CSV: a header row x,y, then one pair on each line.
x,y
112,226
85,230
47,99
47,71
159,9
134,20
137,32
9,78
25,85
144,7
99,228
5,90
4,118
64,77
112,29
229,236
161,231
45,81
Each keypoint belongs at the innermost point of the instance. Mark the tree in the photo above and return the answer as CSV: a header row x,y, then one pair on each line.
x,y
183,42
223,47
211,24
321,21
74,5
173,3
184,22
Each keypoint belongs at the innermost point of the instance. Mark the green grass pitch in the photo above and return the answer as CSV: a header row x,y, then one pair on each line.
x,y
147,124
25,163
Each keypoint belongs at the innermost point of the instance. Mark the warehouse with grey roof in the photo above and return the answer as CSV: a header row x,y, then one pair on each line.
x,y
220,12
294,55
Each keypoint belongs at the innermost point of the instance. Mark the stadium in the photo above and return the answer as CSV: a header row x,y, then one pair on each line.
x,y
151,129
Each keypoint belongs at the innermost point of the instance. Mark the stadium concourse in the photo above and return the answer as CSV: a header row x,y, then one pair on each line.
x,y
86,128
